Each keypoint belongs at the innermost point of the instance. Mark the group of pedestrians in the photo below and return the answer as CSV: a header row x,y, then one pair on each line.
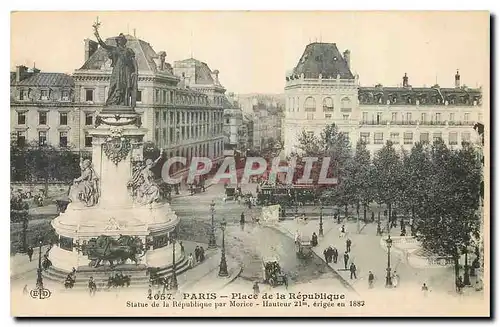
x,y
199,256
331,254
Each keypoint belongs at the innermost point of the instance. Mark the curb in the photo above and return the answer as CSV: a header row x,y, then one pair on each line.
x,y
230,280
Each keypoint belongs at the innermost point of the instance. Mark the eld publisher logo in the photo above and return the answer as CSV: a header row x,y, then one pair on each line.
x,y
41,294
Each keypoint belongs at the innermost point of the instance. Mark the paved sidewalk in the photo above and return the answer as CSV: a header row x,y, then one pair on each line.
x,y
20,263
204,276
368,254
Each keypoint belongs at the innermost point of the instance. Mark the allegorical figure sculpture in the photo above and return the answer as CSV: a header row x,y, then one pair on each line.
x,y
85,189
123,80
145,189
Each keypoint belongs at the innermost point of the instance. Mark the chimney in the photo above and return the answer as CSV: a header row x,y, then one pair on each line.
x,y
405,80
347,58
20,73
90,48
457,79
216,73
35,70
162,55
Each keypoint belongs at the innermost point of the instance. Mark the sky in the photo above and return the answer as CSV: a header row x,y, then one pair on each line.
x,y
254,50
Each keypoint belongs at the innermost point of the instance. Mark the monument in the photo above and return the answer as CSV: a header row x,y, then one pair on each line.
x,y
117,218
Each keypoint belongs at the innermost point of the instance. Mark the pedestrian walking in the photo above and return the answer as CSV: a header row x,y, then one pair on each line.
x,y
325,253
202,254
197,254
190,261
342,231
348,243
335,254
242,218
29,252
379,229
459,284
314,239
346,260
256,289
395,279
373,217
352,269
371,279
297,237
92,286
425,289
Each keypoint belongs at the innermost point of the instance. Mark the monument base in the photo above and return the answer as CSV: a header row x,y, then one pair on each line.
x,y
79,226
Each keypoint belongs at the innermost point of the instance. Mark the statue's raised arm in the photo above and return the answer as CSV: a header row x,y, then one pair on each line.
x,y
96,26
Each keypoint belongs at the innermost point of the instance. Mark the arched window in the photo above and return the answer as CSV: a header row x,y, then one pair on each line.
x,y
327,104
345,105
292,105
310,104
297,104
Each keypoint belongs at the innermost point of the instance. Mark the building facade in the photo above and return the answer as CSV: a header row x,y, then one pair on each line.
x,y
233,126
41,107
322,90
183,121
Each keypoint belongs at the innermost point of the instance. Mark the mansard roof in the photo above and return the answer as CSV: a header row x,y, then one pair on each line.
x,y
144,55
324,59
203,73
44,80
425,95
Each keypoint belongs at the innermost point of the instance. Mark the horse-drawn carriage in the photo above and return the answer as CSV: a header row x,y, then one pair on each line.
x,y
272,273
303,247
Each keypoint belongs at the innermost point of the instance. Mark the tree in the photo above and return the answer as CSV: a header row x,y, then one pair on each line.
x,y
416,177
356,183
387,169
309,144
448,216
34,162
334,145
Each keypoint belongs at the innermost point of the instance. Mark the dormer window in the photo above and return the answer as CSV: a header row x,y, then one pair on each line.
x,y
23,95
44,95
65,95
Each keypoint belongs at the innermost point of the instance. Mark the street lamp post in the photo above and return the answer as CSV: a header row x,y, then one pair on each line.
x,y
211,242
39,279
223,264
388,280
321,220
174,285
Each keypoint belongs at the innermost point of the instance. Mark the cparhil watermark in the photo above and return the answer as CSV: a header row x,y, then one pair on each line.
x,y
269,170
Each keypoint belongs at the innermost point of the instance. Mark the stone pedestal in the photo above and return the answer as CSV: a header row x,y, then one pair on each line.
x,y
117,147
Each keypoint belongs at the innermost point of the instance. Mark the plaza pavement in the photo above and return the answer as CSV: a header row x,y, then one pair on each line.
x,y
368,254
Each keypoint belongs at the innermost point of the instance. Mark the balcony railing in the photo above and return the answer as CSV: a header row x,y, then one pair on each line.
x,y
415,122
